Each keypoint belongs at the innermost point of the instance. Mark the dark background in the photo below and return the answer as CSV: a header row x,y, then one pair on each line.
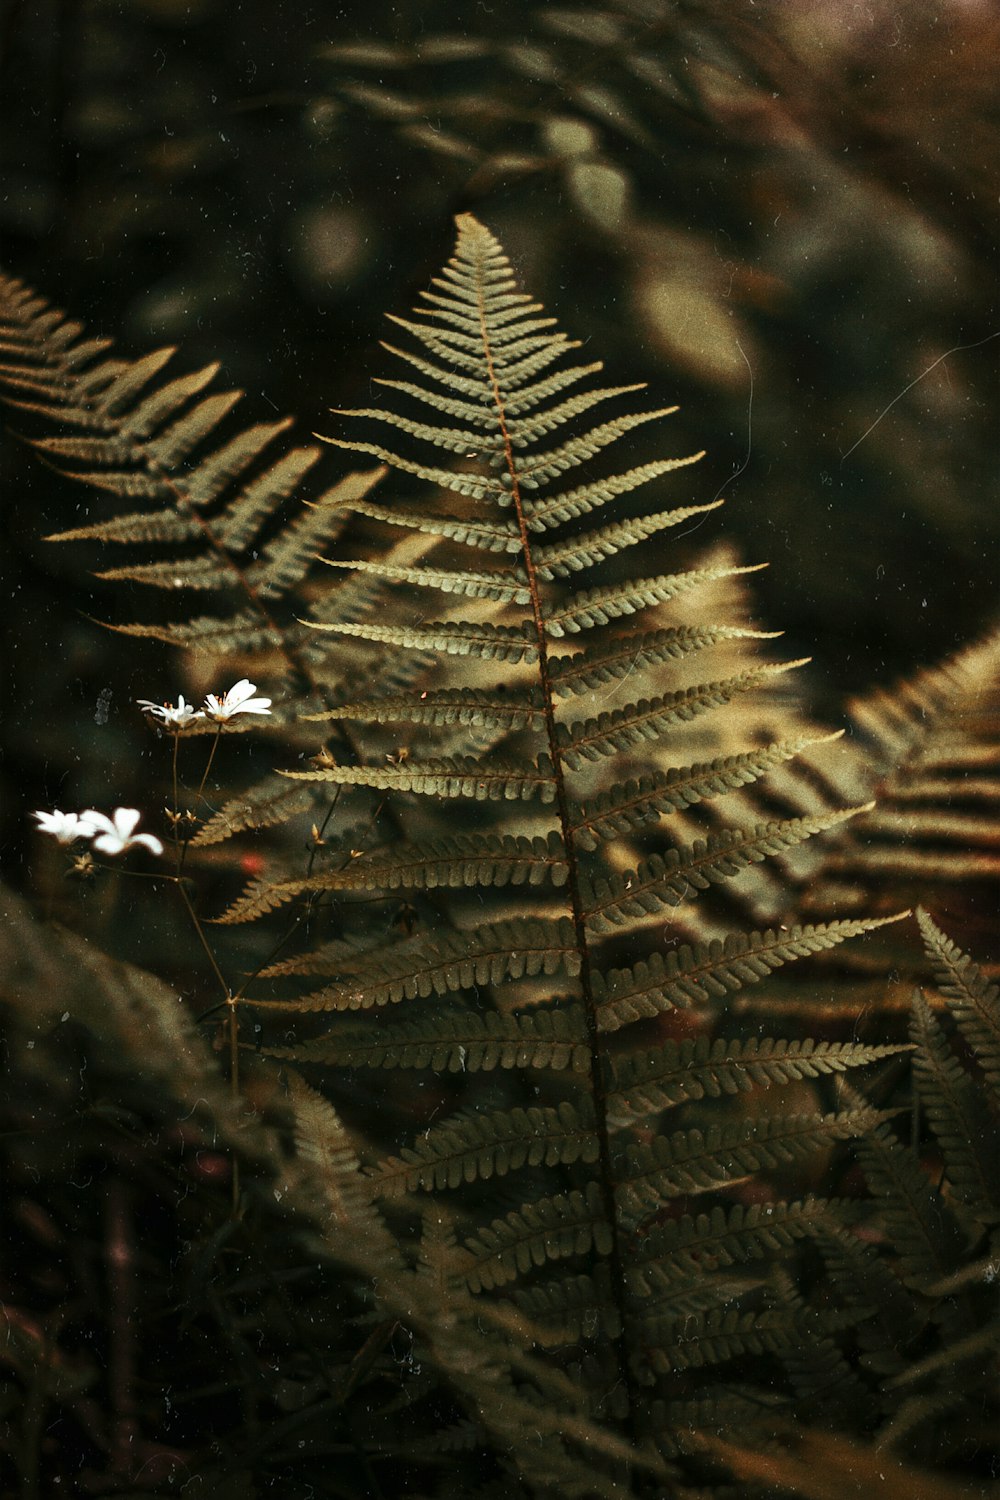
x,y
782,216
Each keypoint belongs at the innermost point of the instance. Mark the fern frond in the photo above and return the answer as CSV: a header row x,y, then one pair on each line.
x,y
186,573
322,1142
650,719
928,751
923,1231
216,635
492,954
957,1113
890,1322
722,1334
561,559
137,526
455,1042
505,643
640,802
541,468
451,439
696,1161
572,1309
591,668
599,606
473,485
972,999
511,709
487,536
246,513
525,430
666,881
694,1246
549,1229
463,582
663,1077
543,514
462,862
286,560
694,975
487,1144
451,776
263,805
134,434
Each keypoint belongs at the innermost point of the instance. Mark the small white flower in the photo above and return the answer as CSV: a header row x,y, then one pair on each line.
x,y
177,718
114,835
239,700
66,827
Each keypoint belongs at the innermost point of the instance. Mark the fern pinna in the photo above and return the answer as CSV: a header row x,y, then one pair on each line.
x,y
550,964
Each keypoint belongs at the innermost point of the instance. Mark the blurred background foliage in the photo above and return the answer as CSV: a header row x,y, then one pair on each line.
x,y
784,216
797,197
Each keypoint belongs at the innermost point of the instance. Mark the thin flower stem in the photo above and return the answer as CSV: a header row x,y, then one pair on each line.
x,y
180,848
211,757
212,1010
202,938
234,1089
232,1003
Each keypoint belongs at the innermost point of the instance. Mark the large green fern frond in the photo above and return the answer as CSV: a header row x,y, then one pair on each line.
x,y
511,803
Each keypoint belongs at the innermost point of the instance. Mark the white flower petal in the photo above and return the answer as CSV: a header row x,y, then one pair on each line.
x,y
96,822
239,700
64,827
109,843
178,717
114,836
150,840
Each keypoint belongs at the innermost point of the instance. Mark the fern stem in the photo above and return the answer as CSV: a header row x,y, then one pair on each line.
x,y
617,1259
